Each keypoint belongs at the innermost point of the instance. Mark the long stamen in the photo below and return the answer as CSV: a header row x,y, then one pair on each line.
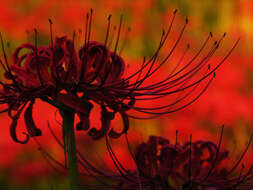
x,y
149,73
108,29
55,66
70,65
117,164
216,156
36,56
84,59
7,64
114,53
51,31
203,78
241,157
125,40
176,109
118,35
133,156
89,34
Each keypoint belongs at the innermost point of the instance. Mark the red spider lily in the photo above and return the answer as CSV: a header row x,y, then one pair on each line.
x,y
194,165
72,80
162,165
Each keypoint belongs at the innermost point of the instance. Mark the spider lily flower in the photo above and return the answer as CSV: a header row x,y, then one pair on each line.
x,y
76,80
194,165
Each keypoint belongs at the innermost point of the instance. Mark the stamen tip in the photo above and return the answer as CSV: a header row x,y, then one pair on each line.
x,y
186,20
163,32
175,11
50,21
211,34
109,17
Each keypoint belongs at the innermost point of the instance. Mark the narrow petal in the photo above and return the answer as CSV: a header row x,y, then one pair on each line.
x,y
115,134
13,128
106,118
16,53
30,125
84,123
115,69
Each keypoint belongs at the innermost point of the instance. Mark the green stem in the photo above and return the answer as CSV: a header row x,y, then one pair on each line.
x,y
69,135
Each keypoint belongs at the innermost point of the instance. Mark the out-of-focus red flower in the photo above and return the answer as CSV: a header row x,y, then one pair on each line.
x,y
194,165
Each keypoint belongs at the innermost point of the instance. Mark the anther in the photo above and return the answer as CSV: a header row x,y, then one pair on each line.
x,y
163,32
109,17
50,21
35,31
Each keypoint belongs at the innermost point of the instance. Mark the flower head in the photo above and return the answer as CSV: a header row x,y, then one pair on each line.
x,y
77,79
194,165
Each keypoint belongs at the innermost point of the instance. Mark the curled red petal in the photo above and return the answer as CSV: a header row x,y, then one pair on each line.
x,y
16,56
33,131
13,128
115,69
115,134
106,117
94,57
65,63
84,123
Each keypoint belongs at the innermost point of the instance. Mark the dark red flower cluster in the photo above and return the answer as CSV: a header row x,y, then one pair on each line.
x,y
61,76
76,80
195,165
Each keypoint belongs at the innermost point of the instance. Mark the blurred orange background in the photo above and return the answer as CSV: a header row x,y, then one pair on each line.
x,y
228,101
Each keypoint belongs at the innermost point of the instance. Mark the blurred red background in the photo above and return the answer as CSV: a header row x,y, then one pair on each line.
x,y
228,101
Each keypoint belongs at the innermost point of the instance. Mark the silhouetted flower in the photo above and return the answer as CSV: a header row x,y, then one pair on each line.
x,y
76,80
195,165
